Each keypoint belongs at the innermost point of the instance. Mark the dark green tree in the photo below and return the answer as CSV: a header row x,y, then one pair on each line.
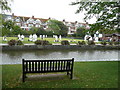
x,y
16,30
81,32
57,27
106,13
41,31
7,27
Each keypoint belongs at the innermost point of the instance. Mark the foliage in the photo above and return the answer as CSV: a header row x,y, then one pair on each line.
x,y
65,42
81,43
7,27
57,27
110,43
19,42
91,42
42,42
16,30
41,31
5,5
104,43
116,43
12,42
81,31
106,13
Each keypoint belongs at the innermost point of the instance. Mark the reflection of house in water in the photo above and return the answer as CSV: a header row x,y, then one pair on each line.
x,y
27,22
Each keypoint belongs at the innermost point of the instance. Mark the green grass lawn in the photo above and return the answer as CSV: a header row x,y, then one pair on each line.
x,y
86,75
51,40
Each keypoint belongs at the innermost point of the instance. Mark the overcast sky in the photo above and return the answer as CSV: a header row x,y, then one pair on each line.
x,y
57,9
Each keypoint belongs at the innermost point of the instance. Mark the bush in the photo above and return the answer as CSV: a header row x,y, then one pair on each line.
x,y
103,43
65,42
12,42
91,43
116,43
19,42
81,43
42,42
110,43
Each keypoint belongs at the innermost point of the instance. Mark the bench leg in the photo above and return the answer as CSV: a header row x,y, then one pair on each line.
x,y
67,73
23,78
71,75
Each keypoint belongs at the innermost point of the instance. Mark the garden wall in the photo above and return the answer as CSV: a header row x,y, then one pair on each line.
x,y
73,47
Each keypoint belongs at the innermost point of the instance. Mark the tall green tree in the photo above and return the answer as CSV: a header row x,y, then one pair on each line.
x,y
81,32
106,13
57,27
7,27
16,30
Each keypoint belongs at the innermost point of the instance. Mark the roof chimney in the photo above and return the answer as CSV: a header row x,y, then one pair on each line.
x,y
63,20
33,17
75,21
13,14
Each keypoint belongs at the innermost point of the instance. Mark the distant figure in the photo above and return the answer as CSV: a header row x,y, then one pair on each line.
x,y
60,38
19,38
4,38
34,37
30,38
43,36
22,37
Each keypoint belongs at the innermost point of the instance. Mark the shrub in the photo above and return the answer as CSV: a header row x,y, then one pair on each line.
x,y
91,43
110,43
103,43
19,42
65,42
42,42
81,43
12,42
116,43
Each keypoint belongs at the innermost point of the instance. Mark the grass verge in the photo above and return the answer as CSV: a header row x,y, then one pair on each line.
x,y
86,75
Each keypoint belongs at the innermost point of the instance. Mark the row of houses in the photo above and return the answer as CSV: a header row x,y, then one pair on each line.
x,y
27,22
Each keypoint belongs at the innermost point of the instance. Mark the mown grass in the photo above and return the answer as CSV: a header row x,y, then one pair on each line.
x,y
86,75
51,40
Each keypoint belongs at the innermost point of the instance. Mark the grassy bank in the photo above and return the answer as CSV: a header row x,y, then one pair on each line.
x,y
51,40
86,75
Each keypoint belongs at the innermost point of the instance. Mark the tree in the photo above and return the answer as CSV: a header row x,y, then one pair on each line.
x,y
41,31
7,27
57,27
16,30
106,13
80,32
5,5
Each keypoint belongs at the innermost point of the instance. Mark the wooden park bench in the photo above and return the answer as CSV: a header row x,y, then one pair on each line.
x,y
46,66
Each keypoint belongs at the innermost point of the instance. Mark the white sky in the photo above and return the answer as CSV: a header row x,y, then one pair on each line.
x,y
57,9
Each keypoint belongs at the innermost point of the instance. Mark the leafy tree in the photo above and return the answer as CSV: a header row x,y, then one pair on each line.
x,y
41,31
57,27
16,30
106,13
5,5
7,27
33,30
81,32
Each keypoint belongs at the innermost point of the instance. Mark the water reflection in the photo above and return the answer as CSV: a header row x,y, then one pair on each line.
x,y
15,57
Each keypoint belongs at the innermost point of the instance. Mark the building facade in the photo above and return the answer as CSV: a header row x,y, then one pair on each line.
x,y
27,22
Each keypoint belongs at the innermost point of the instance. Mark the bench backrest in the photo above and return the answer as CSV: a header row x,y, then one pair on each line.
x,y
47,65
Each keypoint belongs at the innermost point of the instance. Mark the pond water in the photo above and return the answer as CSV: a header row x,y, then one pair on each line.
x,y
15,57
